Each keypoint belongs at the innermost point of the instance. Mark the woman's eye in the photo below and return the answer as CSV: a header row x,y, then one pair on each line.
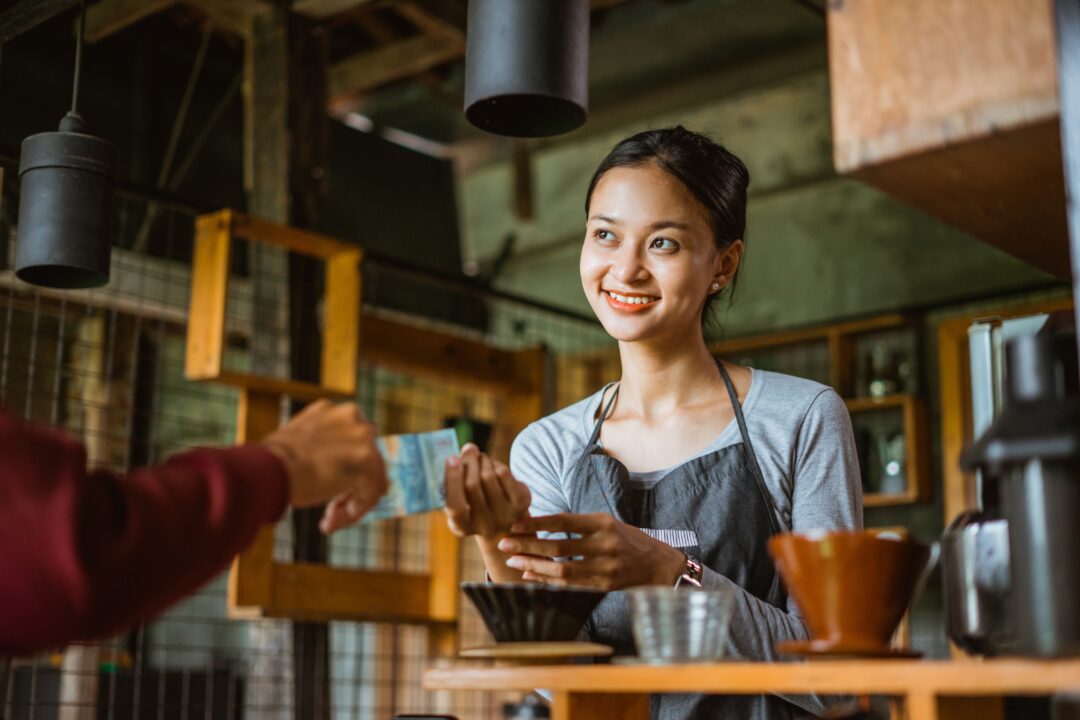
x,y
604,235
664,244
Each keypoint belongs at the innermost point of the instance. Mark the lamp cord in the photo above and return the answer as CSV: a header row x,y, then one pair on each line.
x,y
78,58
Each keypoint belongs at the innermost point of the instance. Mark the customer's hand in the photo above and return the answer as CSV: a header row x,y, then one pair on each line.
x,y
609,554
482,496
330,454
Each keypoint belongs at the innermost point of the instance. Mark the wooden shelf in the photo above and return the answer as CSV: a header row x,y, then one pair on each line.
x,y
863,404
889,499
294,389
922,685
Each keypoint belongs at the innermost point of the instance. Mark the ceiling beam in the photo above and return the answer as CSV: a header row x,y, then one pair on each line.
x,y
322,9
435,17
399,60
28,14
232,15
111,16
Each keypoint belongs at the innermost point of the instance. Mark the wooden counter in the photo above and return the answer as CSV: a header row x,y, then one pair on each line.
x,y
929,689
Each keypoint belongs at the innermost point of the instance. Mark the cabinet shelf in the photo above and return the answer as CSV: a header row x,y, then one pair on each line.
x,y
864,404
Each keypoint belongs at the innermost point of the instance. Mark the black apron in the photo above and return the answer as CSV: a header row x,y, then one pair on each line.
x,y
723,499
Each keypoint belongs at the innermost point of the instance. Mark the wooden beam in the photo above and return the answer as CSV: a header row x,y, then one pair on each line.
x,y
232,15
111,16
441,357
374,68
289,238
28,14
988,678
307,591
810,334
295,389
443,18
322,9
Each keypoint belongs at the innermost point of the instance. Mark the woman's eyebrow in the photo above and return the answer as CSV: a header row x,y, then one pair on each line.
x,y
673,224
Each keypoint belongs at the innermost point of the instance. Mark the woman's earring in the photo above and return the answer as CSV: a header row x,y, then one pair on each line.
x,y
715,286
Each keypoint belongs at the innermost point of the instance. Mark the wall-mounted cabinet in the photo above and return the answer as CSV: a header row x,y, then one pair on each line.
x,y
952,107
873,365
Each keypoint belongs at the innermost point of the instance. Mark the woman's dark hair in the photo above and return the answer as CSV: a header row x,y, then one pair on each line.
x,y
716,178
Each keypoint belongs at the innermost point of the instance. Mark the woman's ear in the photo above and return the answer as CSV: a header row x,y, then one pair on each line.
x,y
727,264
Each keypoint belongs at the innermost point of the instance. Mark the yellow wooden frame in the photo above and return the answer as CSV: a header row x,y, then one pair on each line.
x,y
258,585
206,340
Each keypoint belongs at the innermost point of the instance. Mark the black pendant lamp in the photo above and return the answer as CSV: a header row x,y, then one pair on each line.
x,y
527,66
67,179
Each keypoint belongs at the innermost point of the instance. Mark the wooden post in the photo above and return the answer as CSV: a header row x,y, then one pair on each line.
x,y
599,706
206,316
252,581
79,668
307,52
266,179
525,405
444,571
921,706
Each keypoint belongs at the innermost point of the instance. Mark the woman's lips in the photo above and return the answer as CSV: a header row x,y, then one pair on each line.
x,y
631,303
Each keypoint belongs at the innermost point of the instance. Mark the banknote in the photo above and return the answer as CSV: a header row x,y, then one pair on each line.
x,y
415,467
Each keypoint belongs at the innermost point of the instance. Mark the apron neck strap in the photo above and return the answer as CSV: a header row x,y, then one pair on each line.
x,y
748,447
604,412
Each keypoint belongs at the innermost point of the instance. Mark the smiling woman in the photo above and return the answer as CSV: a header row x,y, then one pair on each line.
x,y
680,472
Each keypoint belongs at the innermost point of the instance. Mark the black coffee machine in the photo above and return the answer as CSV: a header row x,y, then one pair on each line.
x,y
1029,465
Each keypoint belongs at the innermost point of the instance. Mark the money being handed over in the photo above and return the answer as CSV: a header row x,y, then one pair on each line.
x,y
415,468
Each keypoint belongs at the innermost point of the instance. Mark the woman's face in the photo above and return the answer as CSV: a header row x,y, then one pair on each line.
x,y
649,257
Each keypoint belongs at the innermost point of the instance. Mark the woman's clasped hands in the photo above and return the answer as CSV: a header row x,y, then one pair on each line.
x,y
484,499
606,553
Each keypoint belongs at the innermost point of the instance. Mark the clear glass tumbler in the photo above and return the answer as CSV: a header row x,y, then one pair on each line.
x,y
672,625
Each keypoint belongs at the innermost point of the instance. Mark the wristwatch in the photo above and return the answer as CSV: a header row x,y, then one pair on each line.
x,y
691,574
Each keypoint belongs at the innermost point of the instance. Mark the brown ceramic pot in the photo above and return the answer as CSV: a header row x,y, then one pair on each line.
x,y
851,587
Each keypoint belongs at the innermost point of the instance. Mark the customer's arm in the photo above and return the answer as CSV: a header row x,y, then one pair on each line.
x,y
85,554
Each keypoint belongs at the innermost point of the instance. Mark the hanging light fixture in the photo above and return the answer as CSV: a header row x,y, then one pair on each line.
x,y
67,179
527,66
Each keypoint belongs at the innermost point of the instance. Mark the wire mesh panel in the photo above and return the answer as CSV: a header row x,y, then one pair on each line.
x,y
108,366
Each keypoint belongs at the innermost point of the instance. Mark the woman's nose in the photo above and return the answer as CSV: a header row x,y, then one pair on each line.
x,y
628,266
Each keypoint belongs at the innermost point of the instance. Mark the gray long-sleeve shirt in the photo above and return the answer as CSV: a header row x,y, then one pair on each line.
x,y
801,433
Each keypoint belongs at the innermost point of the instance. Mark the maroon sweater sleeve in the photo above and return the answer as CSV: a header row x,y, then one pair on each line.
x,y
87,554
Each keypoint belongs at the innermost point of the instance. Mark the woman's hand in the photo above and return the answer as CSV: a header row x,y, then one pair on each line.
x,y
613,555
482,496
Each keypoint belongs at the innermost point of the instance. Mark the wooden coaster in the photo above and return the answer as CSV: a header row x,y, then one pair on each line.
x,y
536,652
